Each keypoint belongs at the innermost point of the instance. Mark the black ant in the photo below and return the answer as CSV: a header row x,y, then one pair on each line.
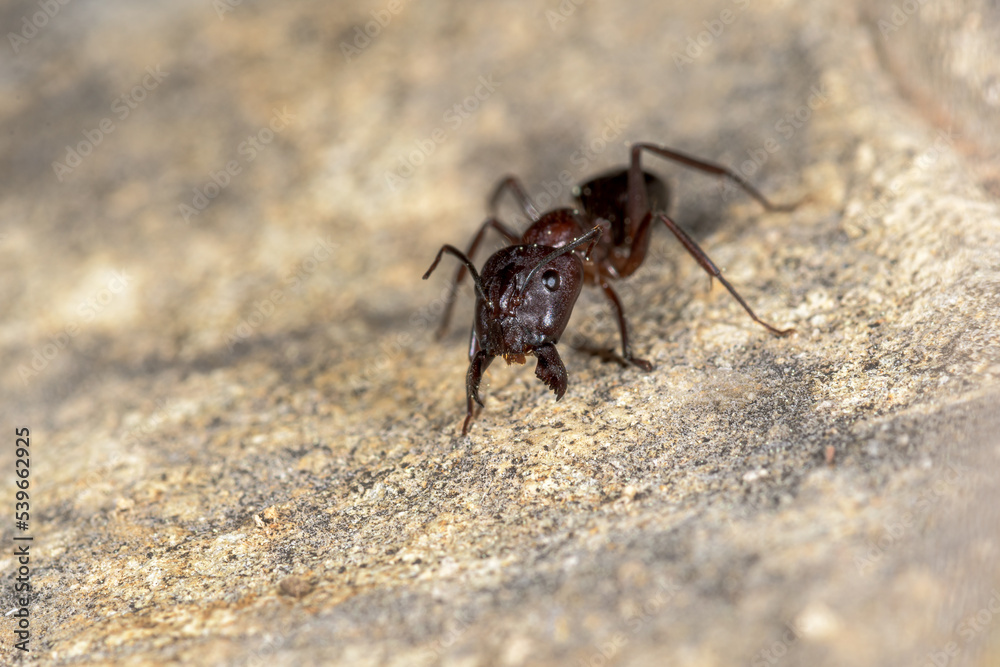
x,y
521,309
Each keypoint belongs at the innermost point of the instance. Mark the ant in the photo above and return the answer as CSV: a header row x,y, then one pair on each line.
x,y
522,309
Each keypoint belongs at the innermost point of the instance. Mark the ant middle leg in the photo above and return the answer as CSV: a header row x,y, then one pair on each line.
x,y
606,354
460,272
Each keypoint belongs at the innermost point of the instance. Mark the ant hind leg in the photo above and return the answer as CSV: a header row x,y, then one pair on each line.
x,y
713,271
707,167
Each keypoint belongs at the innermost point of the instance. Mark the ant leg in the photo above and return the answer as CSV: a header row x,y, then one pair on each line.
x,y
477,367
701,165
461,270
623,328
713,271
550,369
513,185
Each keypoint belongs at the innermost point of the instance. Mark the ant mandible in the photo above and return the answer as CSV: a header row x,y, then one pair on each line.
x,y
517,313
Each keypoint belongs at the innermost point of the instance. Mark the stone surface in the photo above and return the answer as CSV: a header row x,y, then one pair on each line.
x,y
246,443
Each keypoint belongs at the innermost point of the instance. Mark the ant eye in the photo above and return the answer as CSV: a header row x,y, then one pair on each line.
x,y
551,280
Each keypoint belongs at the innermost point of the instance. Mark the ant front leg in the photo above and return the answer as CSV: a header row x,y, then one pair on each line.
x,y
713,271
513,185
480,362
460,272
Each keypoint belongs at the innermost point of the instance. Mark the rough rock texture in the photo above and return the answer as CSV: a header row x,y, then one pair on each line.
x,y
246,444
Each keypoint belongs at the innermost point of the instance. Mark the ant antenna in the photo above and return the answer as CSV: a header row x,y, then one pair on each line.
x,y
468,264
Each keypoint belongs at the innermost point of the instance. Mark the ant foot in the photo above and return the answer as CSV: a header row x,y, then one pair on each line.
x,y
640,363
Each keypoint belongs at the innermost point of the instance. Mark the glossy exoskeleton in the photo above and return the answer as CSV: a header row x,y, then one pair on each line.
x,y
526,291
524,299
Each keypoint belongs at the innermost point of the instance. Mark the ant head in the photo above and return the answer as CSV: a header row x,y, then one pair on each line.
x,y
527,296
526,304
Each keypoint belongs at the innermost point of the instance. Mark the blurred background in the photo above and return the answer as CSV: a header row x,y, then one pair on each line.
x,y
214,217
